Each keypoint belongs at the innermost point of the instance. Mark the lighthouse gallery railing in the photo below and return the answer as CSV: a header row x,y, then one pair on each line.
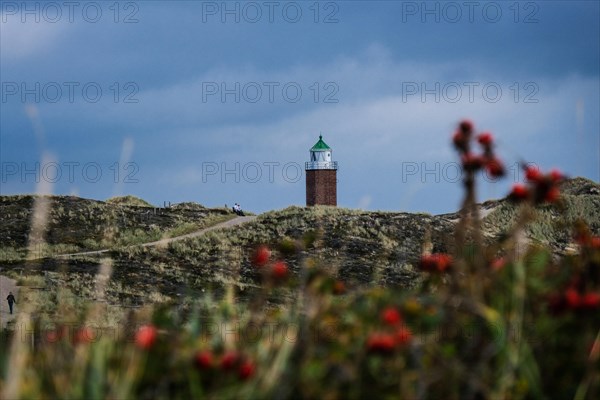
x,y
321,165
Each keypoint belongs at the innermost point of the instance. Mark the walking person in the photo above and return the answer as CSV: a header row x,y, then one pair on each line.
x,y
11,301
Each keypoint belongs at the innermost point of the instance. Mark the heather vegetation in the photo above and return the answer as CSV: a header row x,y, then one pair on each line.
x,y
76,225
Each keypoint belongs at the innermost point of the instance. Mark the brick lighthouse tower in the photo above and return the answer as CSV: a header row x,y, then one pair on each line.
x,y
321,176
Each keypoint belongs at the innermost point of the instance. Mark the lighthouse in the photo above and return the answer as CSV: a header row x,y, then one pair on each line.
x,y
321,176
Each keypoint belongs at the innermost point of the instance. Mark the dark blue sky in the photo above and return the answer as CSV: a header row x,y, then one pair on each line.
x,y
218,102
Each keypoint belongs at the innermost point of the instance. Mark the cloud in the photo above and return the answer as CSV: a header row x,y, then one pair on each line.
x,y
20,40
388,112
379,118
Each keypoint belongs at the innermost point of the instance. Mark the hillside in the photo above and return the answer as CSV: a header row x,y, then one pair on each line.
x,y
76,224
360,247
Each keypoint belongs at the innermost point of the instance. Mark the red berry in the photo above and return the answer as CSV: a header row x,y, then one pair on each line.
x,y
391,316
204,359
229,360
498,264
485,139
403,336
460,140
466,127
533,174
556,176
519,192
381,343
436,262
443,261
495,168
246,370
339,287
53,336
427,263
595,242
552,195
280,270
57,334
582,238
84,335
590,301
572,298
146,337
261,256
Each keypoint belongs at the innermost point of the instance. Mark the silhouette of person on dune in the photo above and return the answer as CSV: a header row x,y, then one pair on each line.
x,y
11,300
238,209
